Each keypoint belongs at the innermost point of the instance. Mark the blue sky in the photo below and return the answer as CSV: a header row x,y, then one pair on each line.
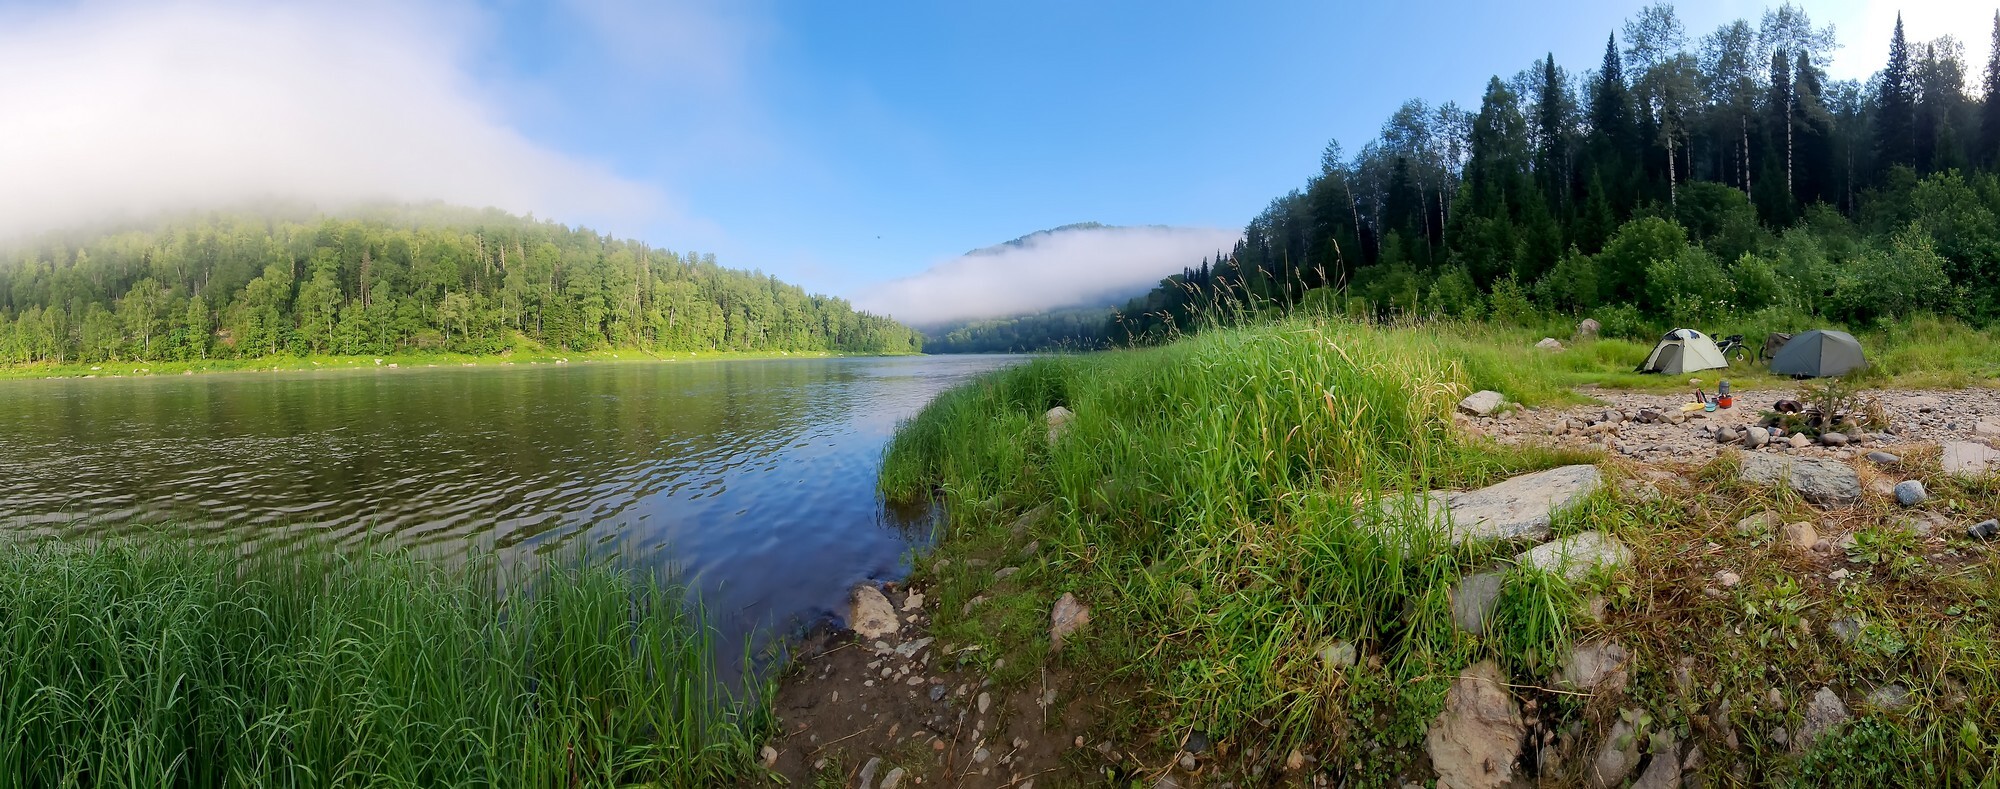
x,y
836,145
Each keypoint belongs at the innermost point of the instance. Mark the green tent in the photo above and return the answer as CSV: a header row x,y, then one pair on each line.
x,y
1819,353
1683,351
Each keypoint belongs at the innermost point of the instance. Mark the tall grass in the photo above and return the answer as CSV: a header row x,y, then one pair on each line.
x,y
156,663
1216,498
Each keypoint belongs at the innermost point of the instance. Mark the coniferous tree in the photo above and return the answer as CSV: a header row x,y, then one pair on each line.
x,y
1895,106
1552,114
1989,126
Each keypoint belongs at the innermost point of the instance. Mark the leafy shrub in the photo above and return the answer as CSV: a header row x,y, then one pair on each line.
x,y
1624,321
1690,287
1571,286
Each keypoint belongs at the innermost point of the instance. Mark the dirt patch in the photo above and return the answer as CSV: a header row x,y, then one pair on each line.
x,y
909,702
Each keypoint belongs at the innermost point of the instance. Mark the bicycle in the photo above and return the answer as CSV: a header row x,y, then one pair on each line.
x,y
1733,349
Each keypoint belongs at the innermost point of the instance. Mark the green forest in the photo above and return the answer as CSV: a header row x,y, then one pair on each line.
x,y
395,279
1071,329
1683,179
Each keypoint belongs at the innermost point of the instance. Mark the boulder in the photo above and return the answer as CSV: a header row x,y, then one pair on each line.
x,y
1474,600
1824,713
1755,437
1968,459
1883,459
1521,507
1727,435
1066,618
1588,329
1833,439
1476,741
869,614
1911,493
1482,403
1549,344
1798,441
1058,419
1595,668
1575,556
1828,483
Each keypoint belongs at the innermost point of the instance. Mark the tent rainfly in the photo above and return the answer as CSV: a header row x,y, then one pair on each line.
x,y
1818,354
1683,351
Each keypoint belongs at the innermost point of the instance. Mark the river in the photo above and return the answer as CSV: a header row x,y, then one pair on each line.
x,y
754,481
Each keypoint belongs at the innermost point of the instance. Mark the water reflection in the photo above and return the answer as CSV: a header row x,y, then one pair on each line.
x,y
756,479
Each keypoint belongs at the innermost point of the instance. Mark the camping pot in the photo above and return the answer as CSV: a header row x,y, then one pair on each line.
x,y
1725,401
1722,388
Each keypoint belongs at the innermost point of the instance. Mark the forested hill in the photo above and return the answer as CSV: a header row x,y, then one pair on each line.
x,y
1071,329
396,280
1684,179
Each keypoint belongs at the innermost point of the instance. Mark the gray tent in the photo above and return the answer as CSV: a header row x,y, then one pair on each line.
x,y
1819,353
1683,351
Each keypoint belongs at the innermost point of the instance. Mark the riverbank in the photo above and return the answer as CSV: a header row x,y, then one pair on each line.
x,y
152,662
1255,610
520,356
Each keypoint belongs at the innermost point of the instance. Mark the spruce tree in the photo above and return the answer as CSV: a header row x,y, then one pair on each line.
x,y
1895,106
1551,137
1611,103
1989,124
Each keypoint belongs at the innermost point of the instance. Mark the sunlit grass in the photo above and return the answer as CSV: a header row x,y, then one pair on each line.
x,y
157,663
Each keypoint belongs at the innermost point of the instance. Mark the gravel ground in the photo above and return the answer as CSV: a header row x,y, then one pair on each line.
x,y
1916,417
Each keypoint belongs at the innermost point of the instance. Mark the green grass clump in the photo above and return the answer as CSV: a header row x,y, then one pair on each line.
x,y
156,663
1215,499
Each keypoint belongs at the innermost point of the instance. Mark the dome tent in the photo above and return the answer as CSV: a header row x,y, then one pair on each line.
x,y
1818,354
1683,351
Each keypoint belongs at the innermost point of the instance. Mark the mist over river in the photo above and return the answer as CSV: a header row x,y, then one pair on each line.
x,y
754,479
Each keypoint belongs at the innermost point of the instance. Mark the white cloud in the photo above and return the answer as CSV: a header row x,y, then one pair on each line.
x,y
1048,270
131,107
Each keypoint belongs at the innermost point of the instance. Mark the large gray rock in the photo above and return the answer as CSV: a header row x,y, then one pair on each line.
x,y
1474,600
1573,557
869,614
1521,507
1549,344
1968,459
1588,329
1482,403
1828,483
1476,741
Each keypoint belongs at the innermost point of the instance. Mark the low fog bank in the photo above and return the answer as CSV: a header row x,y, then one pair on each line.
x,y
116,110
1067,267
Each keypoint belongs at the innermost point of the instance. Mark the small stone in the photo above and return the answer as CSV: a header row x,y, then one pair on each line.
x,y
1002,573
1549,344
1847,629
985,701
1911,493
937,693
1892,697
1756,437
1823,714
981,755
770,757
1068,617
1482,403
1295,761
1837,575
1477,738
1618,756
1595,668
867,777
913,602
1575,556
1758,524
1058,419
1187,762
1728,579
1883,459
1800,536
893,779
1339,655
1727,435
869,614
1983,530
1833,439
1798,441
1474,600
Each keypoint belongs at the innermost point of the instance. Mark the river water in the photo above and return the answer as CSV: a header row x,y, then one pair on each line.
x,y
753,480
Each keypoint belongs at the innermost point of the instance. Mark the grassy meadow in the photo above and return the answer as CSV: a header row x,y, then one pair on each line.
x,y
1214,501
155,663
